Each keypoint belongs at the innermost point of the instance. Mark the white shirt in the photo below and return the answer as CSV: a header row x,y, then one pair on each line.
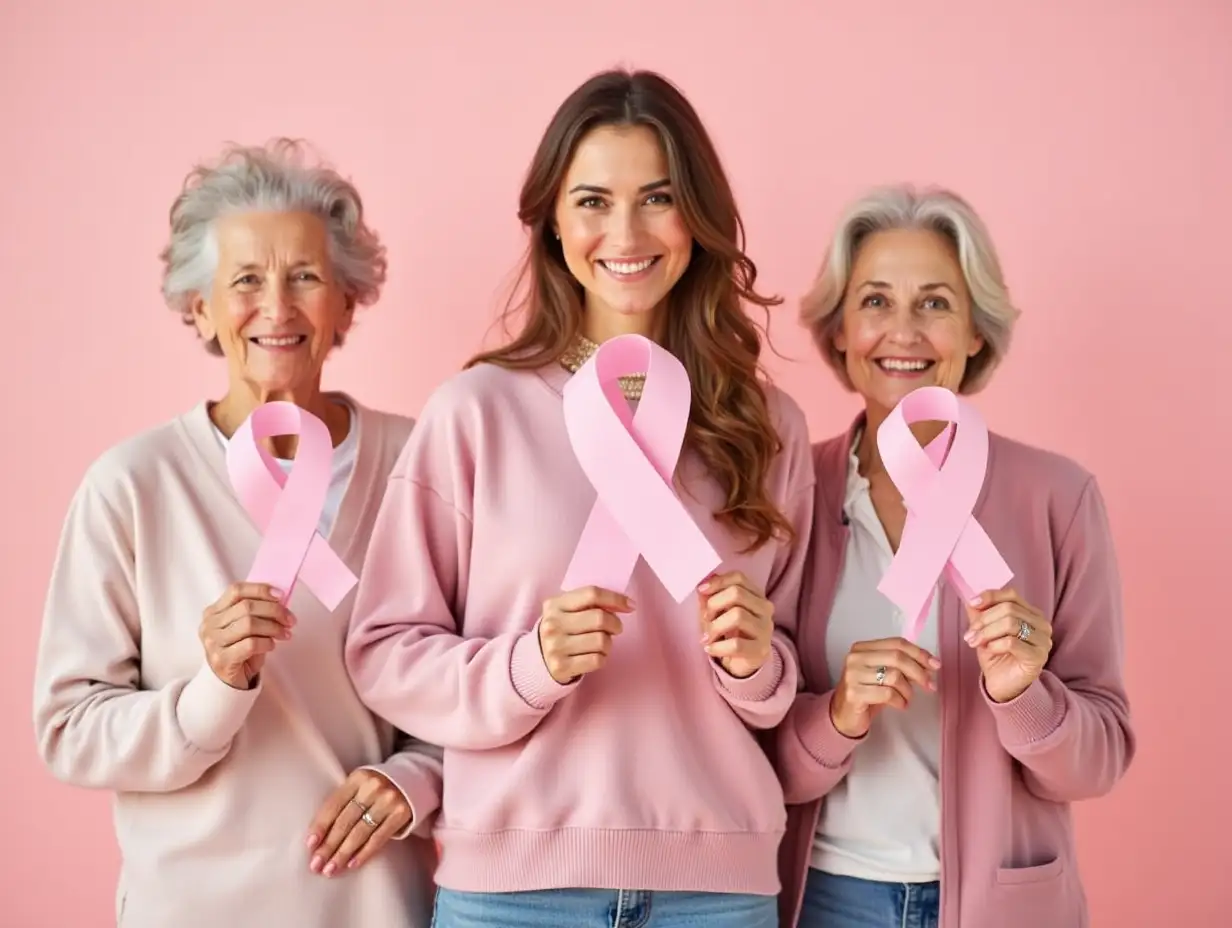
x,y
883,821
340,472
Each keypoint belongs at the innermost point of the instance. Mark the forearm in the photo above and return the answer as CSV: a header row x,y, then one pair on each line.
x,y
103,736
1072,744
812,755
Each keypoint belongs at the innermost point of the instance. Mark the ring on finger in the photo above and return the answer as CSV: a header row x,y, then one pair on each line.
x,y
363,809
1024,630
880,678
368,820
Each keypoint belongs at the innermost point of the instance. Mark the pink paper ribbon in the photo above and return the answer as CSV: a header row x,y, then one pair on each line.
x,y
630,459
941,536
287,507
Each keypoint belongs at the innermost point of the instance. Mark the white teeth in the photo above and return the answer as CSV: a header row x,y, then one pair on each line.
x,y
628,267
280,341
893,364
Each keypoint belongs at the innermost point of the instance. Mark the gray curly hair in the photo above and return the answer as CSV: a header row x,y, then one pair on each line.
x,y
279,177
903,207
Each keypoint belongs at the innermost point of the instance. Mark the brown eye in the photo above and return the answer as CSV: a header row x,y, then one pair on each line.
x,y
874,301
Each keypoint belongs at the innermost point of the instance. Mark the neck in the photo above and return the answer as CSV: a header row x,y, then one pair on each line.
x,y
868,454
242,398
601,324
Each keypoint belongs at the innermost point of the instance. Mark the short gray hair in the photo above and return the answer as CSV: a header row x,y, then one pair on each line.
x,y
903,207
274,177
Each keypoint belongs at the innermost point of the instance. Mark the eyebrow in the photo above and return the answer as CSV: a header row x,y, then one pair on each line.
x,y
939,285
645,188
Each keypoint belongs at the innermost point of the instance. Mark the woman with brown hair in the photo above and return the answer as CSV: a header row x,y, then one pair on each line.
x,y
602,762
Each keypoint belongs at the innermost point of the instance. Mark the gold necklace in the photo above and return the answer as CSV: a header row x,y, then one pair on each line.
x,y
580,352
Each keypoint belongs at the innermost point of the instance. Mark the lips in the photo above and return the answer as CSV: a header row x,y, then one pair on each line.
x,y
628,267
278,341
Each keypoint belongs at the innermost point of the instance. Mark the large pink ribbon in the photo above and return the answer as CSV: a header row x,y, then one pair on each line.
x,y
941,535
630,459
287,507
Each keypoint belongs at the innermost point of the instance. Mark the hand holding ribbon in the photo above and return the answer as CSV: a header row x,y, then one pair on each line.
x,y
939,489
1012,641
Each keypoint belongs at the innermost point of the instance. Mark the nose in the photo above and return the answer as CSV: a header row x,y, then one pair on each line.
x,y
904,326
276,302
624,228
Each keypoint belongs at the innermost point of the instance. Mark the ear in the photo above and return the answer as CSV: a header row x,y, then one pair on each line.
x,y
840,340
347,318
200,313
977,345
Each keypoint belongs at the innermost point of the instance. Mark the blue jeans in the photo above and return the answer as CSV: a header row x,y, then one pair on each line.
x,y
602,908
845,902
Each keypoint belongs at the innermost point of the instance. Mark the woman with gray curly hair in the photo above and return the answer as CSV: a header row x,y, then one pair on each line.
x,y
929,781
219,711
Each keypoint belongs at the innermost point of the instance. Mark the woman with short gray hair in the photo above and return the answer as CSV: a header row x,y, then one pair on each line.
x,y
252,787
930,780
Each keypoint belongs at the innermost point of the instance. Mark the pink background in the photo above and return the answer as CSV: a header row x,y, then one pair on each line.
x,y
1095,137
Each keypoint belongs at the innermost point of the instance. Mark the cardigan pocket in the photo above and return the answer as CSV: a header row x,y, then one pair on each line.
x,y
1015,876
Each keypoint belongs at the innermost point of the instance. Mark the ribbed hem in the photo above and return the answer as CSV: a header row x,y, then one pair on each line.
x,y
1028,718
210,712
824,743
530,675
756,687
586,858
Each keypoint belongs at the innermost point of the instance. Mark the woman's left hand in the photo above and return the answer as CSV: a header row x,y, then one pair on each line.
x,y
737,622
1012,640
355,822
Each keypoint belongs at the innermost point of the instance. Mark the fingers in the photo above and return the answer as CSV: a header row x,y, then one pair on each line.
x,y
581,623
909,648
240,591
372,812
738,597
1005,620
576,643
737,623
329,811
588,597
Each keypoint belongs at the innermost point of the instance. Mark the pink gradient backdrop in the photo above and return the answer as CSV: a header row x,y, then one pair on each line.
x,y
1095,137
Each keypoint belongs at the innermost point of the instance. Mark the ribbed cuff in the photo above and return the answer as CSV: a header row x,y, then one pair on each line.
x,y
824,743
210,712
530,676
1029,717
757,687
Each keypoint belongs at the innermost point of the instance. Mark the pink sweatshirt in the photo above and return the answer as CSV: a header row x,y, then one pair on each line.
x,y
645,774
215,787
1009,772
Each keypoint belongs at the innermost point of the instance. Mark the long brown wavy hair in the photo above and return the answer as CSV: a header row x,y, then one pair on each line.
x,y
705,324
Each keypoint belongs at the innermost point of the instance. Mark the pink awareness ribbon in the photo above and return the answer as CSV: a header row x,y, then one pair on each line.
x,y
630,459
941,535
287,507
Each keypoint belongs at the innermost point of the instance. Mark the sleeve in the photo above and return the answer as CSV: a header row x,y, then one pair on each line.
x,y
1070,729
414,768
404,652
96,727
811,755
764,698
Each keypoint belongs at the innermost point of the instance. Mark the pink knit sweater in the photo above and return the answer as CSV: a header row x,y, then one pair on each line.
x,y
644,774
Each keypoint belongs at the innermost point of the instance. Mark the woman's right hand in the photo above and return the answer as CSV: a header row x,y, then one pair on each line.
x,y
877,674
576,630
240,629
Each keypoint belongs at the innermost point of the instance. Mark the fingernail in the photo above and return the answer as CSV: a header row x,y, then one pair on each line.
x,y
630,603
936,664
330,869
312,842
977,600
704,587
315,866
705,639
277,593
285,634
351,863
969,637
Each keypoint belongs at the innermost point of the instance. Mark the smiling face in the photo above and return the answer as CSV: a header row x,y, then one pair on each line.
x,y
622,235
906,317
274,305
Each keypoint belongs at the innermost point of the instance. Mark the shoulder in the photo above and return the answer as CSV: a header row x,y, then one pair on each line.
x,y
786,415
471,392
1018,469
113,482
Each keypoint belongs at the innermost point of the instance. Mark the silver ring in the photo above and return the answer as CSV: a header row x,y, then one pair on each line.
x,y
1024,630
363,809
881,675
368,820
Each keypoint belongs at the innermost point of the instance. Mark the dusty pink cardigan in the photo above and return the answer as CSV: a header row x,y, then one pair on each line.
x,y
1008,772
